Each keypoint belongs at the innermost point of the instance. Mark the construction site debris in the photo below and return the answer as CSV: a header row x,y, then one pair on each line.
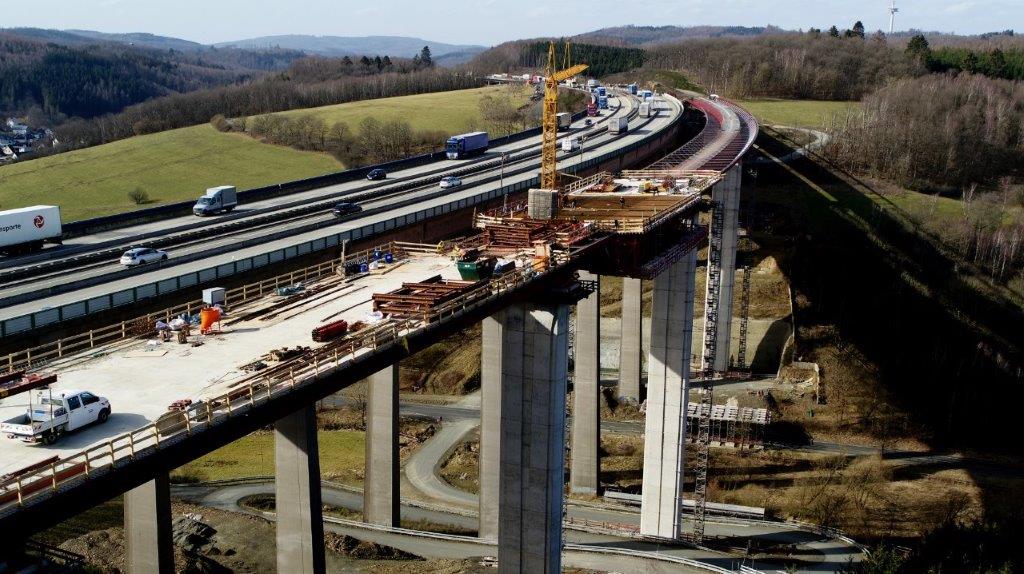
x,y
179,405
289,290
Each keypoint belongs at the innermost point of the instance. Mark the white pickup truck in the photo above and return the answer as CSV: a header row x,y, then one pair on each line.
x,y
54,413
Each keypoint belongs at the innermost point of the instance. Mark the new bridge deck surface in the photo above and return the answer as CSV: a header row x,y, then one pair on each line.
x,y
141,382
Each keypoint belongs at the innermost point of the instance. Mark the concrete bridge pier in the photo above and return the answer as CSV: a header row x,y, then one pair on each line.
x,y
667,381
524,370
727,193
381,502
147,527
300,525
585,463
630,343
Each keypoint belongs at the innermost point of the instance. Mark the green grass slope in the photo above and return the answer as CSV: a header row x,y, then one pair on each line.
x,y
178,165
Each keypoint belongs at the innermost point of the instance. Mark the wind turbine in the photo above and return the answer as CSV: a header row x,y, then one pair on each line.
x,y
892,14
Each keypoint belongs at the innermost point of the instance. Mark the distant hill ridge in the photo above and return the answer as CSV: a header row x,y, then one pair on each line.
x,y
652,35
354,45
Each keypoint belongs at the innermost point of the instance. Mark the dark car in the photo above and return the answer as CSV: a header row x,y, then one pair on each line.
x,y
376,174
345,209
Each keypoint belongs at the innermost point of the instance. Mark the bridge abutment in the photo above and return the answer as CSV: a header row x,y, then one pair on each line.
x,y
300,526
585,462
667,381
381,499
147,527
631,341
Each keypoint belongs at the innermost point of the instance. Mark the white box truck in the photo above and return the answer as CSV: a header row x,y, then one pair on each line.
x,y
564,120
618,125
215,200
570,145
25,229
645,110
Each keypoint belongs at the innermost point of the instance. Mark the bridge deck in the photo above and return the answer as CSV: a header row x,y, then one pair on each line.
x,y
141,379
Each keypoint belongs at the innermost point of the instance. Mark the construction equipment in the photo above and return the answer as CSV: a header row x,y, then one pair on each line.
x,y
549,147
741,354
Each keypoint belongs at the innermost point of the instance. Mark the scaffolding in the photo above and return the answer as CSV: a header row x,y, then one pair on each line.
x,y
741,352
729,426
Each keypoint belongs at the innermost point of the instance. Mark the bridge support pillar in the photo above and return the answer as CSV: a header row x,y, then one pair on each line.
x,y
529,372
381,502
490,424
147,527
668,378
585,463
630,343
727,193
300,525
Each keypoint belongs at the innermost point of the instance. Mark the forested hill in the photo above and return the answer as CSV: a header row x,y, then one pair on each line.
x,y
63,77
653,35
532,55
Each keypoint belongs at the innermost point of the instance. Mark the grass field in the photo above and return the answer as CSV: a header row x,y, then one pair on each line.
x,y
178,165
341,458
450,112
796,113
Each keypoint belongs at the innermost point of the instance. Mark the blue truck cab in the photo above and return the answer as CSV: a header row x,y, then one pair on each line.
x,y
466,145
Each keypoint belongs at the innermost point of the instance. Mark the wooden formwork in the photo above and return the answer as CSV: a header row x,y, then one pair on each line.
x,y
420,299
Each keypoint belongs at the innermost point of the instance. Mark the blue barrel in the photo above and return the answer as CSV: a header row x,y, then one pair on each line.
x,y
376,255
388,258
364,268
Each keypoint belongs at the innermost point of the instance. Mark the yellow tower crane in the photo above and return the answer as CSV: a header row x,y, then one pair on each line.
x,y
549,147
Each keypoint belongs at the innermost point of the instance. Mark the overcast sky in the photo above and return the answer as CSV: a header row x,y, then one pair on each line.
x,y
490,22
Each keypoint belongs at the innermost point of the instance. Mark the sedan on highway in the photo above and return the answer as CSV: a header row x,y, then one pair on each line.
x,y
376,174
142,255
344,209
450,181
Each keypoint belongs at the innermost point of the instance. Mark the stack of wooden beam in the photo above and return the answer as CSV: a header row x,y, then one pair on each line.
x,y
420,299
519,234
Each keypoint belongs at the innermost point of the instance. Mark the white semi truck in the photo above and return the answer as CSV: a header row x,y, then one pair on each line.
x,y
24,230
53,413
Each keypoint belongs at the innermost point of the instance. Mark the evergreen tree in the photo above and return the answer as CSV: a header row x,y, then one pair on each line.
x,y
386,62
918,48
378,63
858,30
347,61
425,60
364,62
833,32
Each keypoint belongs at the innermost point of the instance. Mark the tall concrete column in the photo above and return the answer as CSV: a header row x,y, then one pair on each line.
x,y
667,381
490,425
300,523
630,343
147,527
727,193
585,465
525,354
381,502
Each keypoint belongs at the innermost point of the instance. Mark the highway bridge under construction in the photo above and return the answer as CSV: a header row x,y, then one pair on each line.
x,y
394,282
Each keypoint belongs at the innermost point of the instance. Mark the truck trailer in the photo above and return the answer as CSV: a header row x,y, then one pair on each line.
x,y
564,120
24,230
645,110
466,145
633,89
218,199
602,102
618,125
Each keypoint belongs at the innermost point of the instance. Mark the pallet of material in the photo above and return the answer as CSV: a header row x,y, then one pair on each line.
x,y
416,299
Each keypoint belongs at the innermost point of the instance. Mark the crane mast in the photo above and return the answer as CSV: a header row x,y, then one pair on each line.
x,y
549,123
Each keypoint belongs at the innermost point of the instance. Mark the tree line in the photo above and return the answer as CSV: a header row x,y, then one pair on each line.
x,y
822,66
254,98
961,134
993,62
533,55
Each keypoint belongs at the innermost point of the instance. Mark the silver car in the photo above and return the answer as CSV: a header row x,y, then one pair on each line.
x,y
141,256
450,181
